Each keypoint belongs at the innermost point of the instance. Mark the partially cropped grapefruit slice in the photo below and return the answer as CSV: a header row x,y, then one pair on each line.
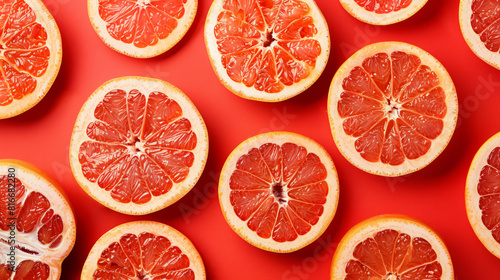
x,y
139,145
31,55
37,225
393,108
391,247
279,191
482,194
267,50
480,25
141,28
143,250
382,12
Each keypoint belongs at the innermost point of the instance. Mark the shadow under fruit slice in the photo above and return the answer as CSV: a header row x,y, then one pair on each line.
x,y
141,28
382,12
267,50
279,191
482,194
143,250
37,225
138,145
391,247
393,108
31,55
480,26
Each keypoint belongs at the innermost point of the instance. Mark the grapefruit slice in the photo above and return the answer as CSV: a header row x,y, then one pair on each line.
x,y
482,194
393,108
141,28
31,55
279,191
382,12
143,250
479,22
267,50
391,247
139,145
37,226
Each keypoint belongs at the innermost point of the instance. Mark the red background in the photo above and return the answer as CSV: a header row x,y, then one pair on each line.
x,y
435,194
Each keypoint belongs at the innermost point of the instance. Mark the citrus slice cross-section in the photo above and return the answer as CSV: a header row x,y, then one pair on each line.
x,y
279,191
37,226
480,25
139,145
143,250
31,53
382,12
393,108
141,28
482,194
391,247
267,50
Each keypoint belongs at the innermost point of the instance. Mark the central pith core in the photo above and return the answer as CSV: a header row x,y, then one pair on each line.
x,y
390,276
135,145
143,2
269,39
392,109
279,193
141,275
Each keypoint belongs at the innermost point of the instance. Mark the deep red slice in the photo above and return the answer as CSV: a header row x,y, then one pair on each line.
x,y
489,194
140,145
393,253
25,54
32,215
484,21
143,256
279,190
383,6
267,44
394,106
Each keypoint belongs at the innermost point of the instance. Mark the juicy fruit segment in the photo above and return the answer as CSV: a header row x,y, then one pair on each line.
x,y
279,190
140,146
267,45
143,256
25,54
383,6
35,219
488,189
484,22
391,254
394,106
139,22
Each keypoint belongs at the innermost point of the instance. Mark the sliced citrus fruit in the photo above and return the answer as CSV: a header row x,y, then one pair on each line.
x,y
141,28
279,191
138,145
393,108
382,12
37,225
267,50
31,55
143,250
391,247
480,25
482,194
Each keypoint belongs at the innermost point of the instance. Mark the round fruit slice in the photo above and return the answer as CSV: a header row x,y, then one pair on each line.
x,y
391,247
392,108
480,25
382,12
279,191
267,50
482,194
37,226
31,55
141,28
143,250
138,145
